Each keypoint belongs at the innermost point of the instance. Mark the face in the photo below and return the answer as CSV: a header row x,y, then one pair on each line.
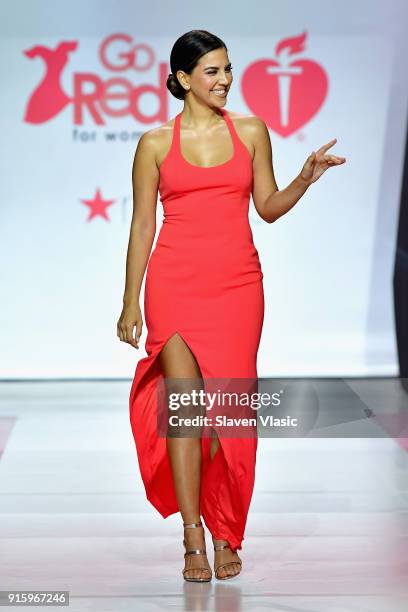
x,y
211,78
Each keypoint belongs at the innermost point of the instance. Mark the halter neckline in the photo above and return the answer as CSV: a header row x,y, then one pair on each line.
x,y
231,129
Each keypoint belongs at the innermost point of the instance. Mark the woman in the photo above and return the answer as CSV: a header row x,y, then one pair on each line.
x,y
203,301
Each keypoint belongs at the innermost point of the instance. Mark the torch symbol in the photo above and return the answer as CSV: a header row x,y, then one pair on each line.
x,y
284,73
285,50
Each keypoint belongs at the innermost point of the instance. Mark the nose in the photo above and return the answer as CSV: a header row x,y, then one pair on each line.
x,y
223,80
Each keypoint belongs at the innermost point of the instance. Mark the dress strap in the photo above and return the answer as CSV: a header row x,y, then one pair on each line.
x,y
176,133
237,140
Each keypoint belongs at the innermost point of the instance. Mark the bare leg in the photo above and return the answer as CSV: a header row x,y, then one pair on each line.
x,y
226,555
214,446
177,361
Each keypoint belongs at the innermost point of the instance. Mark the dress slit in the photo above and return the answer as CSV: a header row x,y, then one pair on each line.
x,y
156,472
218,481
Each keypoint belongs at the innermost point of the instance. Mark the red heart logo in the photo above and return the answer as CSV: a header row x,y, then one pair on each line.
x,y
285,97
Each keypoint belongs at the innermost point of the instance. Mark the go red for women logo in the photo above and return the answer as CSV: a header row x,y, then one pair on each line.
x,y
286,94
89,91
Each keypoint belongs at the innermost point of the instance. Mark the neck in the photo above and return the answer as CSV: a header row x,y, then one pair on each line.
x,y
200,117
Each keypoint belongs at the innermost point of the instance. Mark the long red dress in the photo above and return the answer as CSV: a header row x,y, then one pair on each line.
x,y
204,282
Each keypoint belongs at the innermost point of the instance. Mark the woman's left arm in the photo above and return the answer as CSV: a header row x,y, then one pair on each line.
x,y
269,201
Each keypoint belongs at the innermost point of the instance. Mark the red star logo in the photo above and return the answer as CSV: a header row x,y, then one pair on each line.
x,y
98,206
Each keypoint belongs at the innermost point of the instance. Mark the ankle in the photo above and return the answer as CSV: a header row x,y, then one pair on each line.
x,y
218,542
194,534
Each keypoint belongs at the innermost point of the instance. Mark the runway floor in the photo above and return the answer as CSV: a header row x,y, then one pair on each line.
x,y
327,529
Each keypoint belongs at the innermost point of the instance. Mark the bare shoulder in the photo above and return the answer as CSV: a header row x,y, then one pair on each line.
x,y
250,128
157,141
251,123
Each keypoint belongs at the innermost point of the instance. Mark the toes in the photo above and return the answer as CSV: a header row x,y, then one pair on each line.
x,y
222,572
232,569
204,573
197,573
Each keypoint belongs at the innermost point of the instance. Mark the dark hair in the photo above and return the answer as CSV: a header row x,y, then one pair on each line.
x,y
185,54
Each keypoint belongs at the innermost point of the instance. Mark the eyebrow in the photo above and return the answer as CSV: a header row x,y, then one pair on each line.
x,y
207,67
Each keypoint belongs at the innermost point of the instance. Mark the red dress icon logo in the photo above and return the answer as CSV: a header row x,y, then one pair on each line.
x,y
48,98
112,97
285,94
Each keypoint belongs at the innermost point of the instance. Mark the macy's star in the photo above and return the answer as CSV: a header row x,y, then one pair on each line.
x,y
98,206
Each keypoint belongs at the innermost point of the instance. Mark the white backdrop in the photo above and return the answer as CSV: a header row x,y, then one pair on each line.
x,y
327,264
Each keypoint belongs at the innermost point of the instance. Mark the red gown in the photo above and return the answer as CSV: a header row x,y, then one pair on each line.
x,y
203,281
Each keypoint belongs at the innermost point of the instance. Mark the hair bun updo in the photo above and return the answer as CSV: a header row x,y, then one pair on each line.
x,y
174,87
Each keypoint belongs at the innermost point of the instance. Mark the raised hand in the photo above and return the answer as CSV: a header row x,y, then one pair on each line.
x,y
318,162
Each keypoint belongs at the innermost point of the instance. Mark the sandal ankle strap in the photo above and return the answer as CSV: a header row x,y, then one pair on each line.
x,y
191,525
197,551
194,551
222,547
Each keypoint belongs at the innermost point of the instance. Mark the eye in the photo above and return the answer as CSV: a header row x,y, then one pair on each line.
x,y
215,72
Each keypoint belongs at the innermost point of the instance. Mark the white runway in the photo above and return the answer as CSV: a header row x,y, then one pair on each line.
x,y
327,529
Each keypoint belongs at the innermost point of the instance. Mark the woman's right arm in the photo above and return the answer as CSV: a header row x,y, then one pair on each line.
x,y
145,181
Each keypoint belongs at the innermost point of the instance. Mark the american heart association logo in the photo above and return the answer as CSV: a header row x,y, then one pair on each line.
x,y
285,93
